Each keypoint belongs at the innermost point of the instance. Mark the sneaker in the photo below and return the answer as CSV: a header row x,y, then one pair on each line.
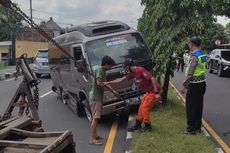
x,y
198,131
95,142
136,126
190,132
133,128
147,128
99,138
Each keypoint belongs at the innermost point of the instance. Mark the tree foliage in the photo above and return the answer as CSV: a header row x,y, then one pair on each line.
x,y
166,24
211,33
221,7
8,20
228,25
42,24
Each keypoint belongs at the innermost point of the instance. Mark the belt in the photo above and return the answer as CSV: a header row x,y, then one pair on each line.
x,y
198,79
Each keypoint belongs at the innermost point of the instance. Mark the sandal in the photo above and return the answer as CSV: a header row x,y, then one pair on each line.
x,y
99,138
95,142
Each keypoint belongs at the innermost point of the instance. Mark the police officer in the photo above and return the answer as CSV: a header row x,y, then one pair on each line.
x,y
195,85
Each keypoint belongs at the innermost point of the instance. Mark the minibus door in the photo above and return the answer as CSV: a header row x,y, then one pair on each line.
x,y
81,76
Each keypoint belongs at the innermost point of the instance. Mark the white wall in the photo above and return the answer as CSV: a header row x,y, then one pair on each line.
x,y
56,33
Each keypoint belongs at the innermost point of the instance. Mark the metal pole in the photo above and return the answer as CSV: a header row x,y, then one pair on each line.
x,y
31,10
13,49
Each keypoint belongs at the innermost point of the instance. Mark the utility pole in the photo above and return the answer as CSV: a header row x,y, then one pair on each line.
x,y
13,49
31,10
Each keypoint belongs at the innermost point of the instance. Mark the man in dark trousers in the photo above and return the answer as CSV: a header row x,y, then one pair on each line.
x,y
195,85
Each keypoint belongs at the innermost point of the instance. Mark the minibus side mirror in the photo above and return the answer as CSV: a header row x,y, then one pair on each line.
x,y
217,56
80,69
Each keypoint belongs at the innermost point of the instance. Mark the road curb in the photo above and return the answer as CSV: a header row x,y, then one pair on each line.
x,y
129,136
6,76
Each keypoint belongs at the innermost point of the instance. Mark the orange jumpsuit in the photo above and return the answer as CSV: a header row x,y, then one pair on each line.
x,y
143,78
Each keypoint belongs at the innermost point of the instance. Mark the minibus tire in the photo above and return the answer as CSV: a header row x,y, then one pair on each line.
x,y
88,113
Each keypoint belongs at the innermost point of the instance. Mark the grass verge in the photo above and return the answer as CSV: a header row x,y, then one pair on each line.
x,y
169,122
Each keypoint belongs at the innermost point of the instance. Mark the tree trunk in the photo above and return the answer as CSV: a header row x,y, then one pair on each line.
x,y
166,82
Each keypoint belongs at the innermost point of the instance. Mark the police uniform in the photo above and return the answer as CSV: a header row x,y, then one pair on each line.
x,y
196,87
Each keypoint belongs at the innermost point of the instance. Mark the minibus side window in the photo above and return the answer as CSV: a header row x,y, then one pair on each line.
x,y
78,53
80,61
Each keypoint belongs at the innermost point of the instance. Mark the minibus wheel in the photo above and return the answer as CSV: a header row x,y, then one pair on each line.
x,y
79,106
64,97
88,113
38,75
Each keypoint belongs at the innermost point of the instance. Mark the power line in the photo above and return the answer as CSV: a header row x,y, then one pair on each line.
x,y
55,21
56,13
39,13
60,15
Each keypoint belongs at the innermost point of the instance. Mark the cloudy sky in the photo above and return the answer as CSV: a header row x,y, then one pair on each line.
x,y
66,12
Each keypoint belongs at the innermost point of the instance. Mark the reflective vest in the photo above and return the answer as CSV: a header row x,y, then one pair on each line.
x,y
198,75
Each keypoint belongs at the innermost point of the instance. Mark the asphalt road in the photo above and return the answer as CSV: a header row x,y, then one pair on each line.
x,y
216,103
56,116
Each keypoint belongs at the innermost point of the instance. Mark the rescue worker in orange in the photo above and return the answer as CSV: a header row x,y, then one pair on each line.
x,y
152,93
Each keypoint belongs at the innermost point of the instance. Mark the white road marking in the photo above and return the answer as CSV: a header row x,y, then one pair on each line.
x,y
205,132
131,118
219,150
129,135
12,79
46,94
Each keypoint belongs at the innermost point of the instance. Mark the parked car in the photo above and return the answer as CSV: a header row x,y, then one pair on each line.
x,y
208,56
41,64
219,61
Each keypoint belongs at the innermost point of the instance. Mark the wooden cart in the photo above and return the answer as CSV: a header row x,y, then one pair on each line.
x,y
23,135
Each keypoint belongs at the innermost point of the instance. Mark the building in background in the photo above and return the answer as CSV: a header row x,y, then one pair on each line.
x,y
51,26
29,47
28,34
21,47
28,40
5,47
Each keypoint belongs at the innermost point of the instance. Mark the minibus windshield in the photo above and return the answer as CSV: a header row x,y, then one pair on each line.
x,y
118,47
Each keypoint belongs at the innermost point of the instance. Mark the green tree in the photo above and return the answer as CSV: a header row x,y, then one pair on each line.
x,y
221,7
3,24
228,25
211,33
8,20
166,24
42,24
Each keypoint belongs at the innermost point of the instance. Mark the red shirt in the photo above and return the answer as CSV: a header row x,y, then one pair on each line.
x,y
143,78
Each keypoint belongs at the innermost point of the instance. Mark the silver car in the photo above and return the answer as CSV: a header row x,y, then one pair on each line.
x,y
41,65
219,61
